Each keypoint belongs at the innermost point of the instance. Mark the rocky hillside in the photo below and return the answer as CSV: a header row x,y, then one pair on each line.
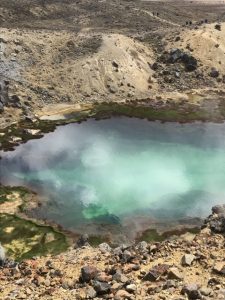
x,y
67,53
188,267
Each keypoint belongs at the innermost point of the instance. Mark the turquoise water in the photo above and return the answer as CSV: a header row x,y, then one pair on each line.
x,y
106,171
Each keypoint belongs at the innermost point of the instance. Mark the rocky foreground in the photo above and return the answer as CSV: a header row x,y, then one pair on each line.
x,y
191,267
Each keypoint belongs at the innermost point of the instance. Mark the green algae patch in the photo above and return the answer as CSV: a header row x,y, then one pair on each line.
x,y
24,239
95,240
7,193
172,113
152,235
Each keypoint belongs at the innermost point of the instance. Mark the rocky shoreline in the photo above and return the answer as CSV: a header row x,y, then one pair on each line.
x,y
191,267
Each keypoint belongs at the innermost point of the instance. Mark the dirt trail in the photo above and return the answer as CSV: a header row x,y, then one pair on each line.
x,y
157,17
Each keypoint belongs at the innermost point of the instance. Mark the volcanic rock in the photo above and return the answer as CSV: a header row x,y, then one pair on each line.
x,y
156,272
214,73
88,273
101,287
192,291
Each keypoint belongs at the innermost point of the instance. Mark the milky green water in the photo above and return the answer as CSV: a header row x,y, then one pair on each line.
x,y
108,170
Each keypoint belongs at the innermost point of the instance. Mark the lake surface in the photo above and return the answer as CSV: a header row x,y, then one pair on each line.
x,y
108,171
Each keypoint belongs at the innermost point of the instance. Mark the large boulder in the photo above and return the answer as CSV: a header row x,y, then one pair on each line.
x,y
189,61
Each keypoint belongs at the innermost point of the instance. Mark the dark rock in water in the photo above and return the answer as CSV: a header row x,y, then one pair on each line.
x,y
83,241
101,287
192,291
214,73
156,272
2,255
88,273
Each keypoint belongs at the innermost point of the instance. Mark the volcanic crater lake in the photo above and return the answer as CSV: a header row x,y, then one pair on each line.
x,y
110,171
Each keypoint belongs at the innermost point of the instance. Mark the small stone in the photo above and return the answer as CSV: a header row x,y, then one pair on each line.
x,y
88,273
214,73
174,273
115,64
131,288
103,277
126,256
142,246
101,287
119,277
187,259
82,241
192,291
218,27
205,291
91,293
122,294
104,248
156,272
219,268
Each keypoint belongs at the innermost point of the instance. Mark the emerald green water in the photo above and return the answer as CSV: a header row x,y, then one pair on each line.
x,y
107,171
